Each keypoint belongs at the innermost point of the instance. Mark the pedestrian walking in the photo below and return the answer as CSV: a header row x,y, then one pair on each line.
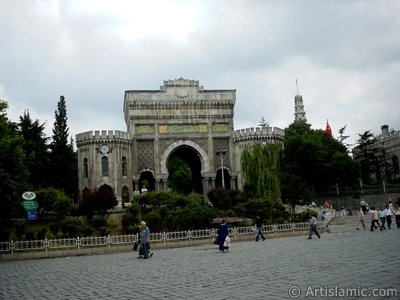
x,y
313,226
374,218
259,223
363,205
144,239
343,210
361,217
223,232
397,215
389,213
382,217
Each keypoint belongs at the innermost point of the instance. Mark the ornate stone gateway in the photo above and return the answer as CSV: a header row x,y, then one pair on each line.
x,y
182,120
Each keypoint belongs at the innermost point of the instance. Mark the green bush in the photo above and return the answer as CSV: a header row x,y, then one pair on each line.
x,y
54,228
98,221
30,235
4,234
71,227
19,230
41,235
133,209
129,223
103,231
220,198
153,220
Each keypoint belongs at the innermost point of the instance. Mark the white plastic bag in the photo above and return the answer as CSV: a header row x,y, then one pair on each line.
x,y
227,242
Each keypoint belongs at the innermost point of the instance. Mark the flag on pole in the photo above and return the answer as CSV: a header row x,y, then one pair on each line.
x,y
328,129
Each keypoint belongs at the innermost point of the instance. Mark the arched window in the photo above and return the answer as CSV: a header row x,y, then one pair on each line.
x,y
104,166
85,168
124,167
125,194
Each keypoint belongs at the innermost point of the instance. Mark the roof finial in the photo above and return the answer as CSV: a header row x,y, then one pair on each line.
x,y
297,87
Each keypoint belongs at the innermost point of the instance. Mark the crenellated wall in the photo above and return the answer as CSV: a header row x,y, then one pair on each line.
x,y
272,135
101,136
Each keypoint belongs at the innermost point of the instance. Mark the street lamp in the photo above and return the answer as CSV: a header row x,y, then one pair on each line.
x,y
222,152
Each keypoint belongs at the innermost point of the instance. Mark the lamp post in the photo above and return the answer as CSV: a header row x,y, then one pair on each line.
x,y
220,153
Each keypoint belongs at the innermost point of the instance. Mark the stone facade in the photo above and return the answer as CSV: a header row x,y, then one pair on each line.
x,y
387,148
181,119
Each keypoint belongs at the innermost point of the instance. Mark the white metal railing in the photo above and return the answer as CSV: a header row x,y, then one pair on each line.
x,y
109,241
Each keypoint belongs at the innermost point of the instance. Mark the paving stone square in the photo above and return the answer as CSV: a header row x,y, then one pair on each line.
x,y
281,268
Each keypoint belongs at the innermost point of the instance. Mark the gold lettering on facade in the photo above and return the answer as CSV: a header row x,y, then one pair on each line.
x,y
144,129
182,129
220,128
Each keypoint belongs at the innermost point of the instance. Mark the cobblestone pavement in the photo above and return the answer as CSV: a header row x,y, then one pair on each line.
x,y
345,258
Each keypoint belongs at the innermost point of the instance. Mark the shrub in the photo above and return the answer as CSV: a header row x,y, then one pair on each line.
x,y
98,221
54,228
129,222
41,235
4,234
153,220
19,230
220,198
29,235
71,227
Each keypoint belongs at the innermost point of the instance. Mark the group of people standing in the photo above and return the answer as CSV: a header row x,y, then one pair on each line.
x,y
381,216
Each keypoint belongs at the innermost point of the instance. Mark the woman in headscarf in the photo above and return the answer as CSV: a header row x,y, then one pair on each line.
x,y
222,234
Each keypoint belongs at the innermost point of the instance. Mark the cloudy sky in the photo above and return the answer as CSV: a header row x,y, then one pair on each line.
x,y
344,54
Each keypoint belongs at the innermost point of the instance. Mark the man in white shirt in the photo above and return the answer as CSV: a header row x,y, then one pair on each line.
x,y
313,226
389,213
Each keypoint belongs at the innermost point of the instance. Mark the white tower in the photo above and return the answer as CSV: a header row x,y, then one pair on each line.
x,y
299,112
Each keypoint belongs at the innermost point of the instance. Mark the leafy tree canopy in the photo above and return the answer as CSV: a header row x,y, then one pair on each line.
x,y
180,176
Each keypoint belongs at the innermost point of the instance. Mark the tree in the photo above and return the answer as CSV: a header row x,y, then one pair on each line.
x,y
313,161
366,155
36,150
180,176
53,200
260,165
220,198
63,159
13,170
98,202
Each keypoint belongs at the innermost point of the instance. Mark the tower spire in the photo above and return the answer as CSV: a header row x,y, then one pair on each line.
x,y
299,112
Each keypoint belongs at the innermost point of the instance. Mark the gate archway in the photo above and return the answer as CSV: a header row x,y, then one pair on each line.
x,y
192,159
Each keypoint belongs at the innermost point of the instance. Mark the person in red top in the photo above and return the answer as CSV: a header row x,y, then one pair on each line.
x,y
326,205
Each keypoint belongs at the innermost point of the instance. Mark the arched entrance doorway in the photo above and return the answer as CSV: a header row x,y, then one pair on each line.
x,y
227,179
147,180
192,159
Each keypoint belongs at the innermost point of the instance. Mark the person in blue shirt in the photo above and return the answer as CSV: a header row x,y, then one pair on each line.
x,y
144,239
313,226
382,217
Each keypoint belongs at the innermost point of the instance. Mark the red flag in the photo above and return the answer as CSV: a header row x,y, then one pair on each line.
x,y
328,129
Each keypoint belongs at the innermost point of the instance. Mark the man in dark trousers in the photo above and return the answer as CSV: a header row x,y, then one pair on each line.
x,y
259,223
313,226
